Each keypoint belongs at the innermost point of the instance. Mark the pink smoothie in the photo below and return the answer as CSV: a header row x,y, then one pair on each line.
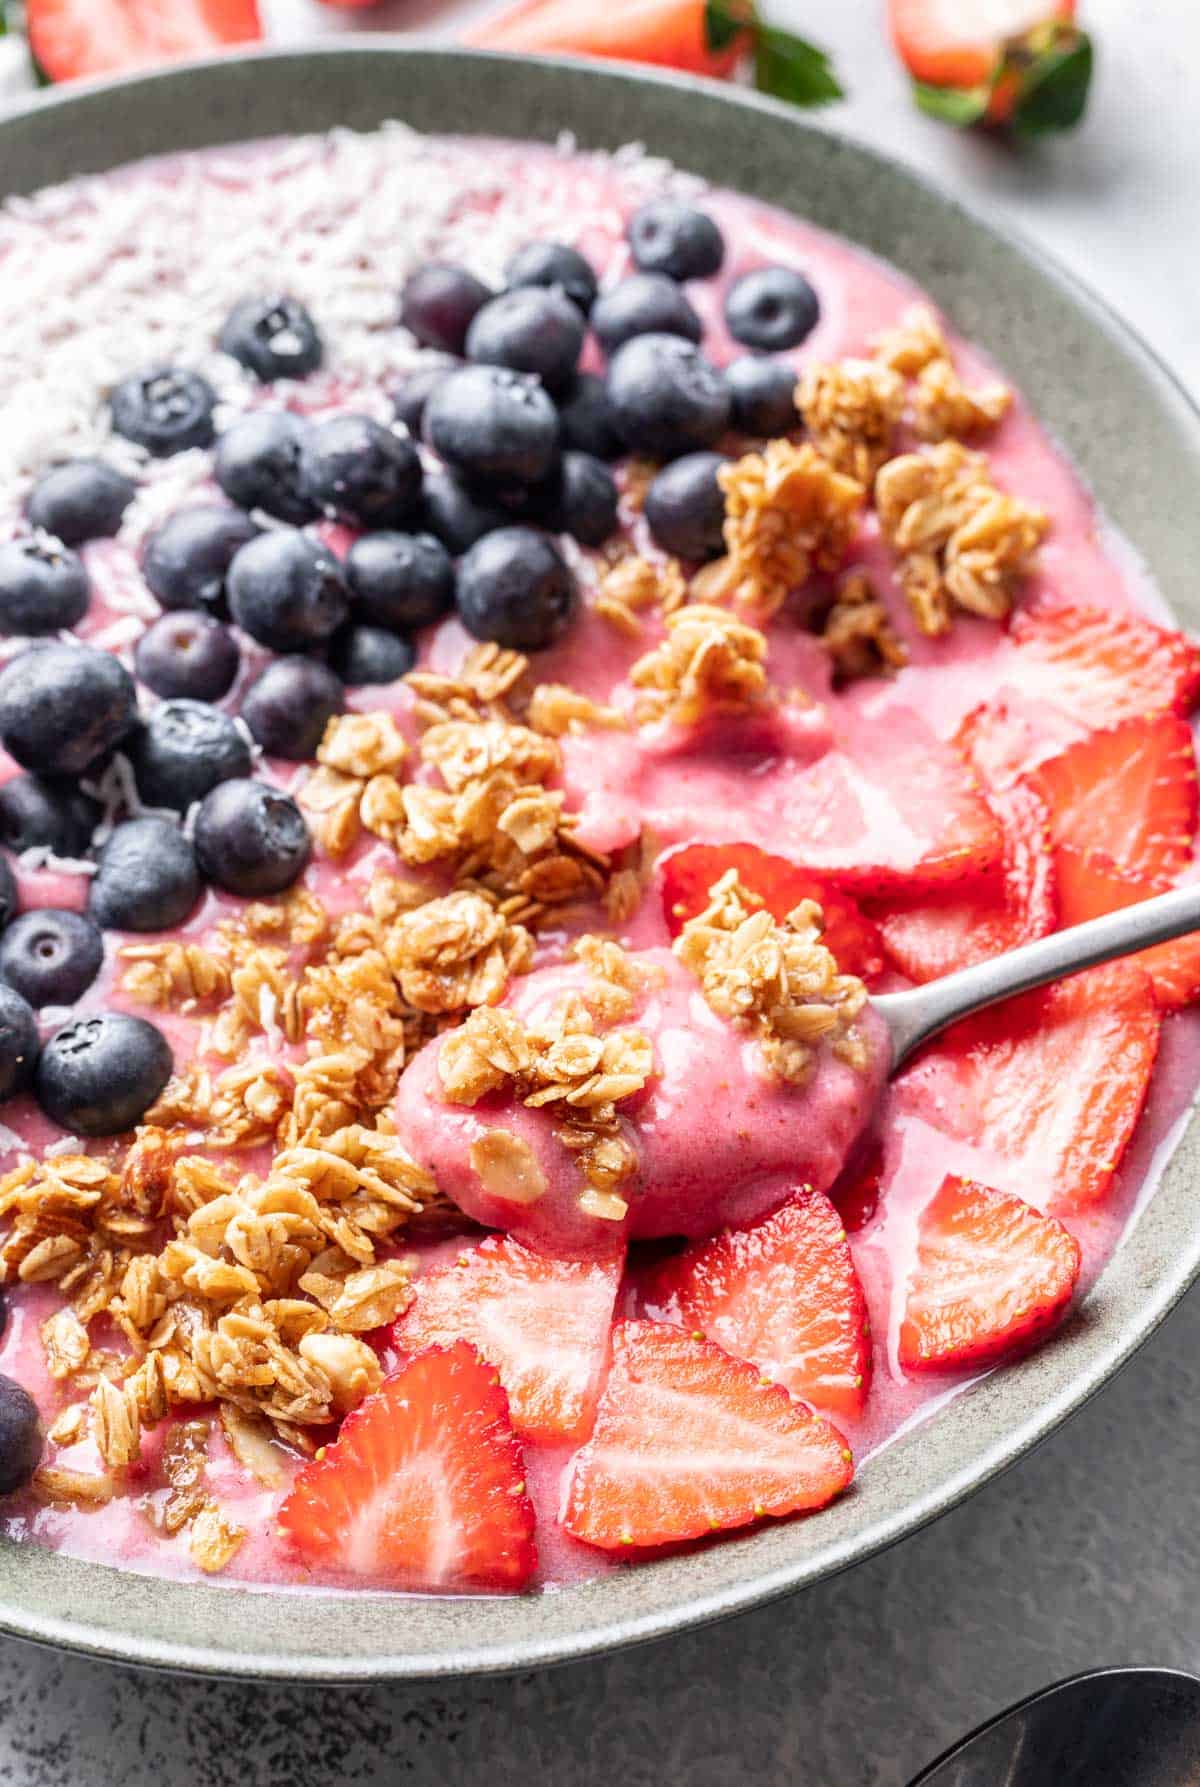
x,y
116,272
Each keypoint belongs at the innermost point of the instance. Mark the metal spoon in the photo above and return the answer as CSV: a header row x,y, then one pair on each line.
x,y
1109,1728
915,1015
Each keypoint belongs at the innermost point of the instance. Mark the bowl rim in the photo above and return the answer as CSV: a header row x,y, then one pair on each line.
x,y
118,1620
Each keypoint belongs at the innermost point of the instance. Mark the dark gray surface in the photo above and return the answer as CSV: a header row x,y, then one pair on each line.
x,y
1087,1552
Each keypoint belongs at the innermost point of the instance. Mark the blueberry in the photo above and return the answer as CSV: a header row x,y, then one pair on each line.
x,y
257,464
402,581
355,469
81,500
438,303
251,839
413,393
493,424
100,1075
685,507
771,308
51,957
458,516
185,654
21,1438
289,706
184,749
669,237
287,590
515,590
43,586
764,395
581,500
18,1043
186,560
147,879
8,891
273,337
556,265
643,304
585,419
666,398
370,655
530,329
62,707
164,410
39,813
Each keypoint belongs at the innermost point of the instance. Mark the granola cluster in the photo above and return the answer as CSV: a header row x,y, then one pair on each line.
x,y
943,407
579,1059
851,409
777,981
788,512
635,586
708,661
961,542
857,632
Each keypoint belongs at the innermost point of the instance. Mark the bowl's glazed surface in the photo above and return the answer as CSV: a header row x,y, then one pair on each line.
x,y
1137,441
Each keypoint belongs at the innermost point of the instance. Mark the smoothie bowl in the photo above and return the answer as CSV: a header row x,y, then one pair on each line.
x,y
507,644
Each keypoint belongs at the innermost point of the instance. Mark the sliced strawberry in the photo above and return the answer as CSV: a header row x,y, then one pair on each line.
x,y
1052,1084
1091,884
991,1274
969,921
1104,667
856,1191
1009,735
687,874
894,808
671,33
424,1486
995,61
690,1441
543,1323
1129,791
72,38
783,1294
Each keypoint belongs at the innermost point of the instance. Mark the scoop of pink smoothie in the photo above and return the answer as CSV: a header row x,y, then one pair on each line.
x,y
717,1138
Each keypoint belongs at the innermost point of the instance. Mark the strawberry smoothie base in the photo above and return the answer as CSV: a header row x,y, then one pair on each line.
x,y
936,807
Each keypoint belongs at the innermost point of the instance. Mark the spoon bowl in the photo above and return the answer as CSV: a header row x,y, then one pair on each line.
x,y
1108,1728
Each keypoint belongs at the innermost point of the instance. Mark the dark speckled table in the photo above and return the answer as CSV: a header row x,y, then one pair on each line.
x,y
1087,1553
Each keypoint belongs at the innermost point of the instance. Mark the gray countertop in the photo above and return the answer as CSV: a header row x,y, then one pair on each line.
x,y
1088,1552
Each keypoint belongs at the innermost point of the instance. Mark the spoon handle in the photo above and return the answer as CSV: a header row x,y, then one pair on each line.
x,y
915,1015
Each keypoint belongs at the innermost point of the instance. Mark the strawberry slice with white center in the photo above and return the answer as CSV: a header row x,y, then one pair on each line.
x,y
424,1486
1090,884
991,1274
690,1441
1004,738
1051,1084
928,936
1129,791
687,874
784,1295
892,808
74,38
542,1322
1103,667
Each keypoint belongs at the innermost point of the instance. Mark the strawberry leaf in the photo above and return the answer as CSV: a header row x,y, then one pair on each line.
x,y
1055,91
962,106
789,68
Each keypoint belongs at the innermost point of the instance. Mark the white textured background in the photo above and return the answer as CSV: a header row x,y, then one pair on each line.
x,y
1087,1553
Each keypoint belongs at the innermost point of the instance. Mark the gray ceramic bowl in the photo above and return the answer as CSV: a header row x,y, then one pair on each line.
x,y
1138,441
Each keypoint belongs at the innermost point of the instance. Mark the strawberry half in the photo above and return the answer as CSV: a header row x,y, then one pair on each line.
x,y
783,1294
687,874
969,921
74,38
1090,884
543,1323
991,1274
1104,667
1129,791
424,1486
1019,62
1052,1083
892,810
690,1441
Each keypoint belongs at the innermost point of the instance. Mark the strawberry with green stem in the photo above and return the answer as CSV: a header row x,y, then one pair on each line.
x,y
1021,63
